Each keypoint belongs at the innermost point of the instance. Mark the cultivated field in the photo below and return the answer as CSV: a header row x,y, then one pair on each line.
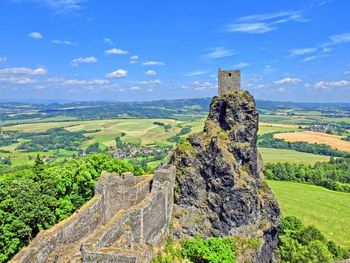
x,y
265,127
327,210
142,131
271,155
334,141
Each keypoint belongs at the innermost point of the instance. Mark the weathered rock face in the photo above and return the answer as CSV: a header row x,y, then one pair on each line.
x,y
220,187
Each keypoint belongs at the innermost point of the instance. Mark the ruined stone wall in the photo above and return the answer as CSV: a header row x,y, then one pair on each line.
x,y
127,236
112,193
229,81
69,230
126,214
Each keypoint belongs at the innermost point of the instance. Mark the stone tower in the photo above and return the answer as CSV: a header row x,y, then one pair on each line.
x,y
229,80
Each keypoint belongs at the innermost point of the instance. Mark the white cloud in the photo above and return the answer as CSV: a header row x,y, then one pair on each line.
x,y
253,28
78,82
241,65
116,51
151,72
339,39
134,59
151,82
309,58
331,84
75,62
135,88
302,51
59,6
346,72
263,23
63,42
86,82
268,69
3,60
288,80
200,85
36,35
196,73
23,71
120,73
220,52
108,40
153,63
17,80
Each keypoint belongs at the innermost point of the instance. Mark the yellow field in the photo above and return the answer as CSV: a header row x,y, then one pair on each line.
x,y
334,141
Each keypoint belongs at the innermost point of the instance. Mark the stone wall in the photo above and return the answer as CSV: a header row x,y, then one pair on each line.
x,y
126,214
128,235
228,81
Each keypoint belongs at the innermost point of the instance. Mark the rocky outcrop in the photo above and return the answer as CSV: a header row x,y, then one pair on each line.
x,y
220,188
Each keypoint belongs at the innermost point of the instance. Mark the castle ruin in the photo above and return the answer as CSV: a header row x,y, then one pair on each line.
x,y
126,217
228,81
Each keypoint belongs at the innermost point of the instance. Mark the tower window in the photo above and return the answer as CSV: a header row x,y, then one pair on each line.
x,y
229,74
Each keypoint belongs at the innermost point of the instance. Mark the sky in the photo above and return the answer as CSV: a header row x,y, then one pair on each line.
x,y
81,50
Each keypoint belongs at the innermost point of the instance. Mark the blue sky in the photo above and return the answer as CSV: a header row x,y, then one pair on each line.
x,y
288,50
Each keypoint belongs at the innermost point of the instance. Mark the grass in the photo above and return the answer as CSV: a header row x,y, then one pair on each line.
x,y
327,210
271,155
335,141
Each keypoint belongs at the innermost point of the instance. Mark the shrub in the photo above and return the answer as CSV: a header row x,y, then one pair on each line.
x,y
213,250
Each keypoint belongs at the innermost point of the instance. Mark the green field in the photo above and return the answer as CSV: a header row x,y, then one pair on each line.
x,y
327,210
271,155
274,127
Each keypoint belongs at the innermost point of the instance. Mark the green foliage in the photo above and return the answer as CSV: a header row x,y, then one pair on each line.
x,y
199,250
36,198
118,142
185,146
94,148
333,175
298,243
53,139
9,137
213,250
268,140
177,137
347,138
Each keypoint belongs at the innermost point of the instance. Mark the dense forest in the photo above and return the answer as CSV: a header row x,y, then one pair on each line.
x,y
36,198
268,140
333,175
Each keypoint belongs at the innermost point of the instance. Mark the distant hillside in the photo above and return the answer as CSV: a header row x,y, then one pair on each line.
x,y
175,109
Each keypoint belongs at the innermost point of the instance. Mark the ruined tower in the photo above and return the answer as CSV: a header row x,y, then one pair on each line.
x,y
229,80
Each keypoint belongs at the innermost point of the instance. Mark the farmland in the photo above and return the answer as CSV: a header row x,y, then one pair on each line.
x,y
335,141
271,155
